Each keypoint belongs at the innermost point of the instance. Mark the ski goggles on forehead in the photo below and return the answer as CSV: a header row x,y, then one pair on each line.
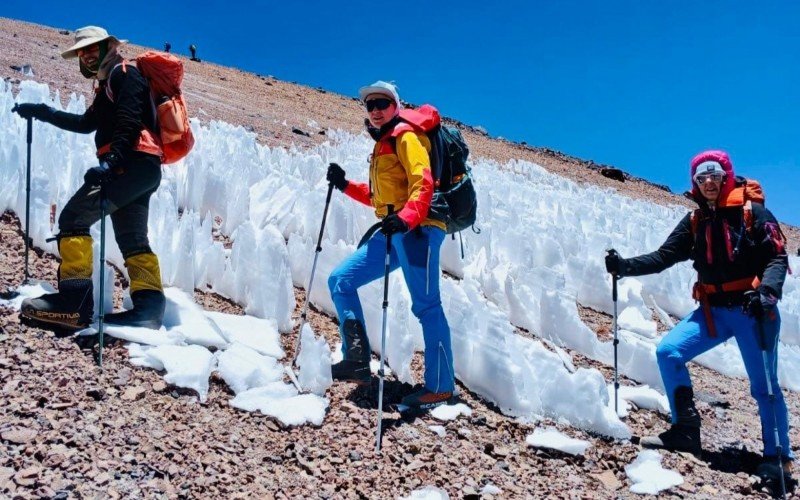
x,y
702,178
380,104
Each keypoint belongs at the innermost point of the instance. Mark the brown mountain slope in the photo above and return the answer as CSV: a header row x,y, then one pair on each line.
x,y
273,108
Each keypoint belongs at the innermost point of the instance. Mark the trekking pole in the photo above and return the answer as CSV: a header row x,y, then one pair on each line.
x,y
778,448
101,306
28,201
614,279
386,270
303,315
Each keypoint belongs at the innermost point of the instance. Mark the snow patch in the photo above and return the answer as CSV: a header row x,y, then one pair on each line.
x,y
184,316
642,396
438,429
553,439
33,289
186,366
259,334
243,368
648,476
282,401
314,362
490,489
427,493
451,412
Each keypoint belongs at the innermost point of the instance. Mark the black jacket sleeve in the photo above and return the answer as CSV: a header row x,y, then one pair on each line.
x,y
129,89
772,247
81,124
677,248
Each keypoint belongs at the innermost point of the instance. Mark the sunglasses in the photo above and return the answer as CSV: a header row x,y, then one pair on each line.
x,y
87,50
380,104
702,178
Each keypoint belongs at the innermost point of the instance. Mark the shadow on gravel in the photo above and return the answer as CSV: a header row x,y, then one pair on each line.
x,y
367,396
733,460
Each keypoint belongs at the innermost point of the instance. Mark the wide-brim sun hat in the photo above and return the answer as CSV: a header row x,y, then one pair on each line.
x,y
86,36
382,88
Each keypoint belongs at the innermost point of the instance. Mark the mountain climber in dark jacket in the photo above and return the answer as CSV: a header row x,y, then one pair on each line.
x,y
124,121
740,256
399,177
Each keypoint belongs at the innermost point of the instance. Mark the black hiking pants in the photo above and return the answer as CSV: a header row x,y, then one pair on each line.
x,y
128,193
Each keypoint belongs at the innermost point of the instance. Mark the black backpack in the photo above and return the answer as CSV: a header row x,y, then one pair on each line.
x,y
454,199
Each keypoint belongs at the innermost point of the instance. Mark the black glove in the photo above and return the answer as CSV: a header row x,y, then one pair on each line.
x,y
758,303
97,175
392,224
336,176
29,110
614,263
110,159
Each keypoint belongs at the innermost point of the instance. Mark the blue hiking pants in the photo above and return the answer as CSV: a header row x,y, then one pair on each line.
x,y
417,253
690,338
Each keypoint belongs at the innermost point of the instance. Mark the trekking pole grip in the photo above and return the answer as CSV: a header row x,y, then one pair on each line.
x,y
324,217
614,279
762,337
30,130
390,211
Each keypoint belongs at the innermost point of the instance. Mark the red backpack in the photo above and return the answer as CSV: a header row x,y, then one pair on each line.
x,y
164,73
743,194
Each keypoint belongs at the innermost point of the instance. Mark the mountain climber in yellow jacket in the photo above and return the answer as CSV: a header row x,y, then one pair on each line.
x,y
399,176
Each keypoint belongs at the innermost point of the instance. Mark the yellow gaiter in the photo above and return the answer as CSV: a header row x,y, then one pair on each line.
x,y
144,272
76,258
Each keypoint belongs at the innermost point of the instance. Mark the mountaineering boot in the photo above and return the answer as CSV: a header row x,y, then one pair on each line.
x,y
769,472
147,293
147,312
684,435
353,371
425,399
72,307
355,366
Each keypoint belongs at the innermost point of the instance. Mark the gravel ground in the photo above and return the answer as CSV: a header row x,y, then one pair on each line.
x,y
68,428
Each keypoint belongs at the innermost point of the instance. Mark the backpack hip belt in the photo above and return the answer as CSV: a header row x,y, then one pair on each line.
x,y
702,291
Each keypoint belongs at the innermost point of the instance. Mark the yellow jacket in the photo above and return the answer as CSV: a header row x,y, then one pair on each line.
x,y
400,176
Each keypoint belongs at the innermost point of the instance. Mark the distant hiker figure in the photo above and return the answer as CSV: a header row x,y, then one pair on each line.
x,y
403,180
167,46
193,51
129,155
739,253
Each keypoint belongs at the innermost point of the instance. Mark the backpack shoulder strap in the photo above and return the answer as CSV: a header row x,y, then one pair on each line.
x,y
398,130
109,92
401,128
747,215
694,220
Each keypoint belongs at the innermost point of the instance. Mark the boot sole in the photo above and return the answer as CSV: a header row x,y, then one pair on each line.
x,y
426,406
361,382
52,326
150,326
653,446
